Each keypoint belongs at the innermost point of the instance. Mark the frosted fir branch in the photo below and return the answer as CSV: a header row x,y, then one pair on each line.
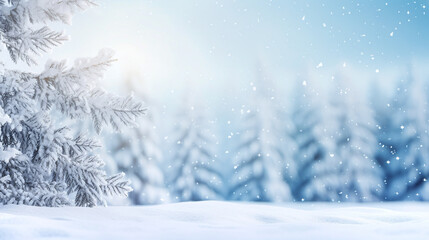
x,y
43,11
90,183
82,144
47,198
17,97
19,17
54,11
105,108
47,194
84,175
8,153
21,44
116,113
117,185
62,10
72,147
92,68
63,88
56,146
54,89
70,91
4,118
80,77
74,106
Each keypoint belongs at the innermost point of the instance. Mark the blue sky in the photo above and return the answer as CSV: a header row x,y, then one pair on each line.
x,y
218,43
215,45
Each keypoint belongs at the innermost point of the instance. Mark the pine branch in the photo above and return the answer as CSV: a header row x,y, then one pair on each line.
x,y
19,44
116,186
116,113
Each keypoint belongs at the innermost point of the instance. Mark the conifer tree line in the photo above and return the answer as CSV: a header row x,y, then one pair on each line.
x,y
336,145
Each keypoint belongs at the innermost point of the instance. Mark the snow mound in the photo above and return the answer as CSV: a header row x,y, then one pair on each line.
x,y
218,220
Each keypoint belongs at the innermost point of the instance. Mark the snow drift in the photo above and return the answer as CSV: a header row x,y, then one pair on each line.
x,y
218,220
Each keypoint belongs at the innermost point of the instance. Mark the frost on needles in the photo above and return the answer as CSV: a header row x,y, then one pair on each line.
x,y
41,162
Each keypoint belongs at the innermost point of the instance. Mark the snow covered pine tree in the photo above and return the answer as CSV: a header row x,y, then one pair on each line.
x,y
352,151
260,160
404,138
194,175
40,162
310,153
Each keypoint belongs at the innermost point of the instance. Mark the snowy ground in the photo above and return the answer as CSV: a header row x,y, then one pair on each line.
x,y
219,220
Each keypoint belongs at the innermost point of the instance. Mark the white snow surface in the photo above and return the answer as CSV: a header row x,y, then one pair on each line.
x,y
219,220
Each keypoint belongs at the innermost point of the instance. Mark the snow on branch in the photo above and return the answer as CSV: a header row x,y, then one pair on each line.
x,y
75,92
18,21
119,112
21,44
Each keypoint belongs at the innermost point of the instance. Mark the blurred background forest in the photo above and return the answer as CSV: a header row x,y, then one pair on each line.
x,y
268,100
